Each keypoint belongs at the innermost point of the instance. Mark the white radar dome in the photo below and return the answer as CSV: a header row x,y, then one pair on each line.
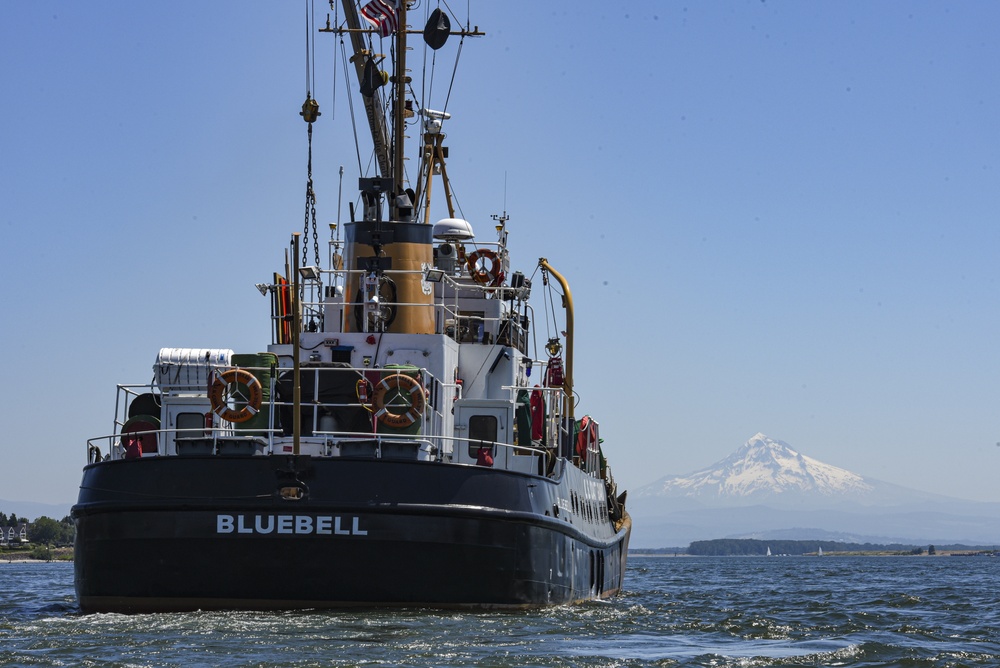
x,y
453,229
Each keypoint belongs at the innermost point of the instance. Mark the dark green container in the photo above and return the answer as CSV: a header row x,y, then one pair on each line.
x,y
261,365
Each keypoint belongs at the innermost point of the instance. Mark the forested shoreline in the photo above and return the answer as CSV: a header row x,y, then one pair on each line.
x,y
750,547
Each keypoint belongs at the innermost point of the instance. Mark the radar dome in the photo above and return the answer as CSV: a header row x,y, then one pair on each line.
x,y
453,229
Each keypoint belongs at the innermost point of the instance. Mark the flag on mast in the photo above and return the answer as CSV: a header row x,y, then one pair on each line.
x,y
382,15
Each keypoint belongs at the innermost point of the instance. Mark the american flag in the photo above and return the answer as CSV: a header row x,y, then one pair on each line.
x,y
382,15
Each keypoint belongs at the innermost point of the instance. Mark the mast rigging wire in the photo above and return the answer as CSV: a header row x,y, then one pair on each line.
x,y
310,48
427,91
336,22
350,104
454,72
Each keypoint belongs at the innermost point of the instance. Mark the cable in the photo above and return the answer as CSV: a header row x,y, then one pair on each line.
x,y
310,48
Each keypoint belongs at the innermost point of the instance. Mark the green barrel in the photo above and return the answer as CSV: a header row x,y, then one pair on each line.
x,y
145,404
263,366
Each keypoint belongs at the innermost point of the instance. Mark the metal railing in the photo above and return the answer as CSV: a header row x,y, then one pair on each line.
x,y
321,437
446,312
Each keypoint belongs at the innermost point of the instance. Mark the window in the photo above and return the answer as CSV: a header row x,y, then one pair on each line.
x,y
188,421
481,428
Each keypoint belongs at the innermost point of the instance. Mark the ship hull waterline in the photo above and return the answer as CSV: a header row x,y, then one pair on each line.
x,y
445,537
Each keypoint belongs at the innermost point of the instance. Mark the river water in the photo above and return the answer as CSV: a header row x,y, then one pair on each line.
x,y
684,611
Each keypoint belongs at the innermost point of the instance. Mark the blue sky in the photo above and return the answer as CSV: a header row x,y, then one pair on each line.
x,y
775,216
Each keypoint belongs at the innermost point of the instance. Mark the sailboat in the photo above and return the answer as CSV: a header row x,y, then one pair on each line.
x,y
769,551
401,441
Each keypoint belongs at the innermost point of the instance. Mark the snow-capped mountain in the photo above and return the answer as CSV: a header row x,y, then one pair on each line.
x,y
764,468
767,488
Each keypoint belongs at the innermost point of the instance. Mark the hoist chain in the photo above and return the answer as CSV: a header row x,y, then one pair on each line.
x,y
315,232
310,214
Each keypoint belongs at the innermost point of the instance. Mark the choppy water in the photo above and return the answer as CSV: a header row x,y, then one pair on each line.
x,y
792,611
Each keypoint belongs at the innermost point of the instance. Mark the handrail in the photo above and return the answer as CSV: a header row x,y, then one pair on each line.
x,y
115,450
314,407
459,285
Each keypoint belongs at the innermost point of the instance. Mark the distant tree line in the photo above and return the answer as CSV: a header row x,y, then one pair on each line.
x,y
745,547
748,547
44,530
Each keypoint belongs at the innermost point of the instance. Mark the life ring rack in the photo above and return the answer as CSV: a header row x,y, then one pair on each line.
x,y
492,275
403,385
219,395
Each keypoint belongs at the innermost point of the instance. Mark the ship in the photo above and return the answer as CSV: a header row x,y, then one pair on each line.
x,y
406,438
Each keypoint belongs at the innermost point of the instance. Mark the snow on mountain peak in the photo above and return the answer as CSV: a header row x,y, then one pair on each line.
x,y
766,487
763,467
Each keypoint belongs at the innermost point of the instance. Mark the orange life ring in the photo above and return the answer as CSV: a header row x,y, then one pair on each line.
x,y
219,395
404,385
480,273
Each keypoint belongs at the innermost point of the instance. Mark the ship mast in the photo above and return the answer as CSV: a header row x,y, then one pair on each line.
x,y
400,80
385,256
389,147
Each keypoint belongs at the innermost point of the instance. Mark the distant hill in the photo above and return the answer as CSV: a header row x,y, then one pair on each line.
x,y
32,511
767,489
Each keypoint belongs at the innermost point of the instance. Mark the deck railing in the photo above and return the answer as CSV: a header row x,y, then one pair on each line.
x,y
426,438
509,327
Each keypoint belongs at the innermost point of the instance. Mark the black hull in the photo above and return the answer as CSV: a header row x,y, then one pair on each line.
x,y
193,533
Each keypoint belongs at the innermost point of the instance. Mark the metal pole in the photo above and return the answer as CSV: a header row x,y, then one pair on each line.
x,y
568,305
296,329
398,125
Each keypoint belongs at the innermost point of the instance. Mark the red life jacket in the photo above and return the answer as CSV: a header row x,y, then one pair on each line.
x,y
537,415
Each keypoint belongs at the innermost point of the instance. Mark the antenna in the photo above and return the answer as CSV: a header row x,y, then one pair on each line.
x,y
502,218
505,192
340,193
